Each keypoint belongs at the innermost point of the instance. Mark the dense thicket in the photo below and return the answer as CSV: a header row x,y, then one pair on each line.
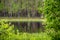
x,y
52,15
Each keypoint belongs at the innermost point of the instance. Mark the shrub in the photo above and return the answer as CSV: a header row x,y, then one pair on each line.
x,y
52,15
6,31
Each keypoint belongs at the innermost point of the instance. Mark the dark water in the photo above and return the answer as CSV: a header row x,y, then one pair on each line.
x,y
27,26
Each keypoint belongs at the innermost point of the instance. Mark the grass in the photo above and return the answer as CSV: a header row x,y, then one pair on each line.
x,y
33,36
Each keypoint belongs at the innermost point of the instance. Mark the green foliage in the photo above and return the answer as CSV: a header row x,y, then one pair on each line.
x,y
52,14
6,31
35,36
51,11
1,6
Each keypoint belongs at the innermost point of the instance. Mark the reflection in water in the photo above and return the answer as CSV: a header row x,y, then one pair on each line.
x,y
27,26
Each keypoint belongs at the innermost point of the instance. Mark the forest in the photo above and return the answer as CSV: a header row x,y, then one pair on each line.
x,y
29,19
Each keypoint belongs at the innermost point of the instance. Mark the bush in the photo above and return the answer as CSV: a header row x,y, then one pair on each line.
x,y
52,15
6,31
